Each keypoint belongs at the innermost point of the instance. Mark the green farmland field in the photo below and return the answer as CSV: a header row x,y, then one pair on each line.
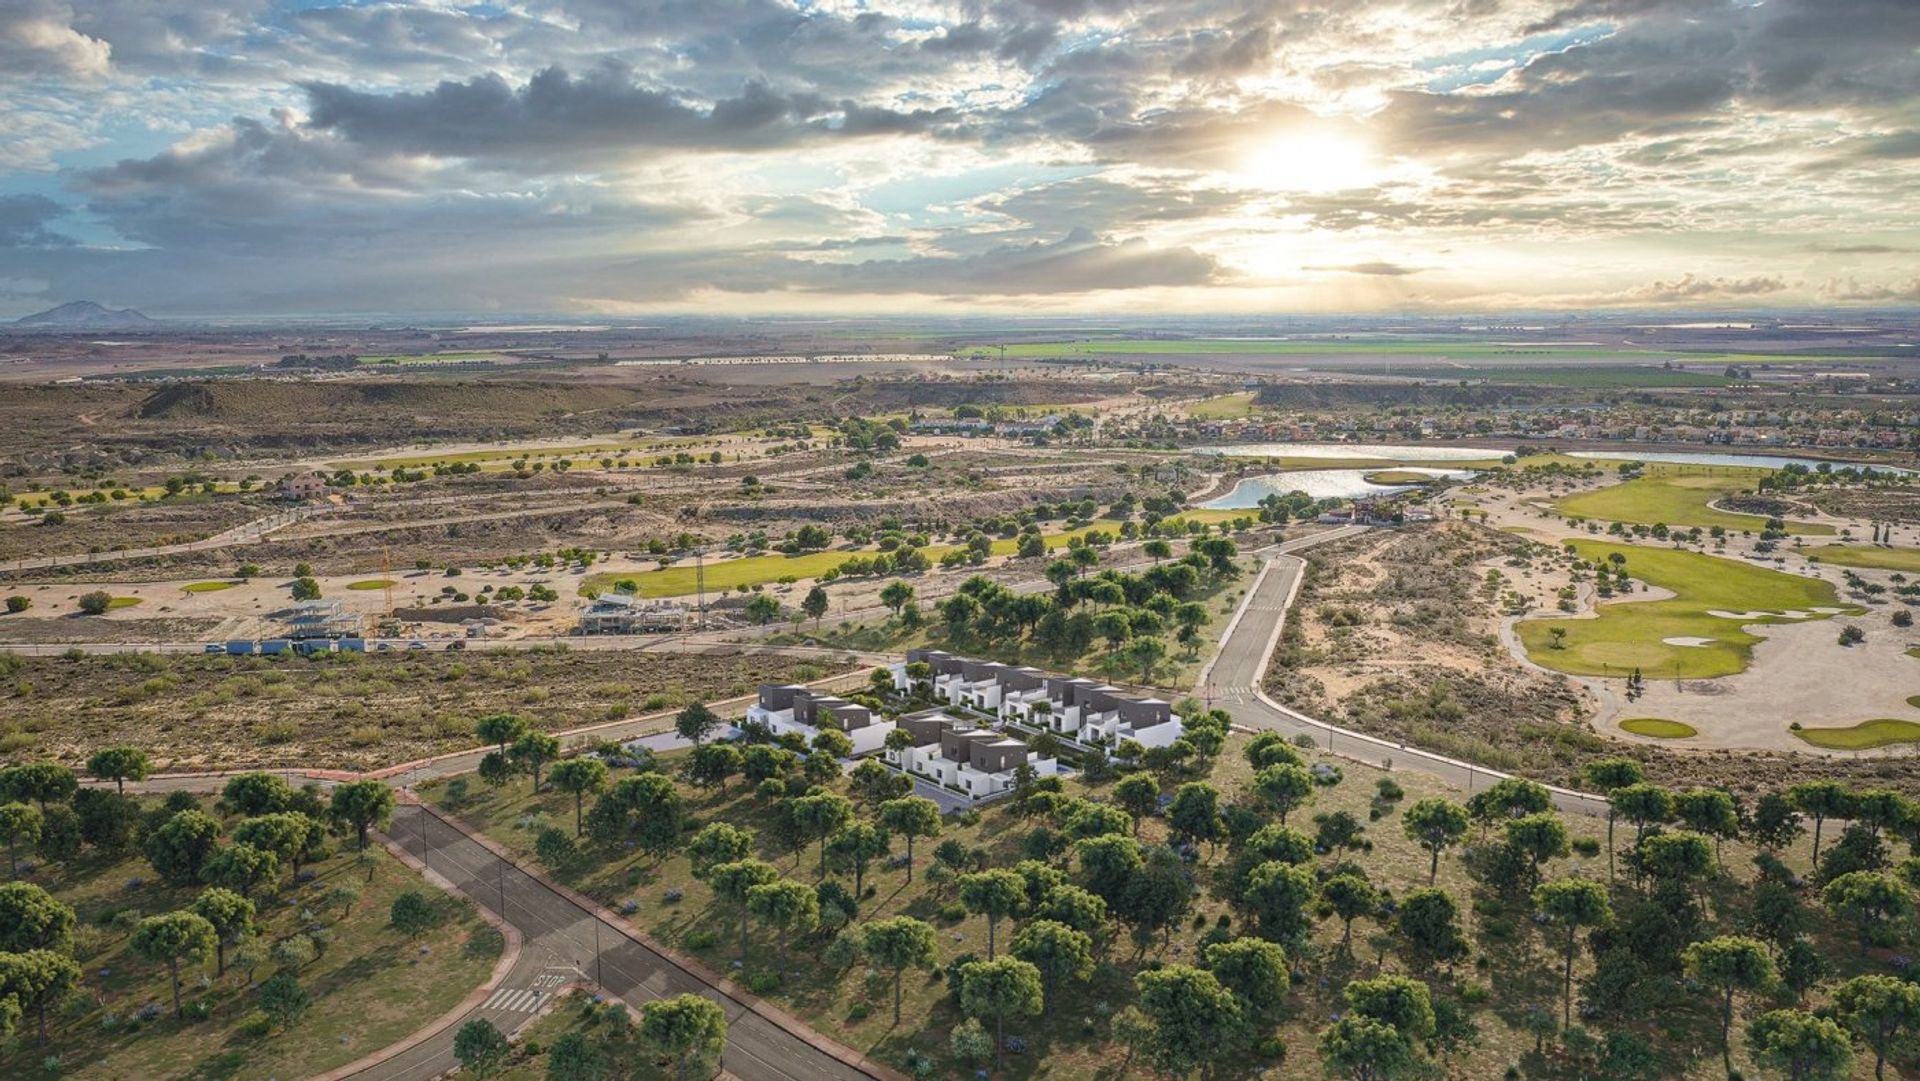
x,y
1629,634
1677,495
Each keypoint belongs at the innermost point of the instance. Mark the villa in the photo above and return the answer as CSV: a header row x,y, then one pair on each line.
x,y
1085,711
976,760
789,707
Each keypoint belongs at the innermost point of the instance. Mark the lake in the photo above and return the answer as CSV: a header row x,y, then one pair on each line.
x,y
1320,484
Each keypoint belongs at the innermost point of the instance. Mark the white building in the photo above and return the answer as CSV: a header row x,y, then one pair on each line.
x,y
789,707
977,761
1083,710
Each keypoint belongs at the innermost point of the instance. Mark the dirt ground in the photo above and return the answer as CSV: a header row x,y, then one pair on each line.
x,y
349,711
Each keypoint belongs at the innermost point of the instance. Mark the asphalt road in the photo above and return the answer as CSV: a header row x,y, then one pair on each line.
x,y
1234,682
565,942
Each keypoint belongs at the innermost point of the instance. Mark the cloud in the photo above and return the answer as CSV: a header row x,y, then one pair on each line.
x,y
23,222
1689,288
37,39
1371,269
1853,291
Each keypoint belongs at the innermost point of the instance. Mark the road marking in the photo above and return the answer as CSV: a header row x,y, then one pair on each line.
x,y
515,1000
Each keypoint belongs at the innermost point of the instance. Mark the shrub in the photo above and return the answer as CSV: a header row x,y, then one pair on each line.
x,y
763,982
95,602
17,603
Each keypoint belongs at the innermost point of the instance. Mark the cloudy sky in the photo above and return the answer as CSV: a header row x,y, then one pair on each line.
x,y
890,156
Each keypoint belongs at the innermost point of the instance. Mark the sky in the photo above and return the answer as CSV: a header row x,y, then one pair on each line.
x,y
615,158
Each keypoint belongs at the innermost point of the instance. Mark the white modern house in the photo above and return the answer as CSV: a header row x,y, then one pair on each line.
x,y
789,707
1085,711
975,760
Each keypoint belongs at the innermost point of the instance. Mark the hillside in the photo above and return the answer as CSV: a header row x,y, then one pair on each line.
x,y
86,313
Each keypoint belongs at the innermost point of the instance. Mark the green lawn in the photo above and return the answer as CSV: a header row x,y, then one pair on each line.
x,y
207,587
1659,728
124,602
368,584
1677,495
1224,407
1629,634
370,986
1886,559
1867,734
1397,476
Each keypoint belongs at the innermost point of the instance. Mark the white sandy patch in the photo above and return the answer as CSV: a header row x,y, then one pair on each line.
x,y
1791,613
1688,640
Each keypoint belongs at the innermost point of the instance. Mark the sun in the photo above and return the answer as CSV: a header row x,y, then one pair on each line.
x,y
1309,160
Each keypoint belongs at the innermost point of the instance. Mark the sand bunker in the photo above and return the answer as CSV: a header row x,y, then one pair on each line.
x,y
1791,613
1687,640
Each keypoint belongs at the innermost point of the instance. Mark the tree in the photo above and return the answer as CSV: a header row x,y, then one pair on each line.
x,y
495,769
1138,794
1008,987
1428,921
1729,964
1882,1011
896,595
172,939
835,744
814,604
254,794
180,848
898,944
718,843
1572,903
1252,968
500,729
1435,825
1820,800
1708,811
1366,1049
1147,652
1538,838
581,776
855,845
788,907
1277,895
696,723
1510,797
1194,814
30,919
1867,899
241,867
362,805
1404,1003
283,1000
1196,1020
645,807
231,917
993,894
710,764
1058,951
910,817
1679,857
573,1057
532,751
820,814
687,1028
35,980
412,914
119,765
479,1048
96,602
1349,897
734,883
1283,786
1609,775
20,824
1804,1047
763,608
873,784
290,835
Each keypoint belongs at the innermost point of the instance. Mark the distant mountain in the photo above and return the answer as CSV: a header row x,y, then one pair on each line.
x,y
85,313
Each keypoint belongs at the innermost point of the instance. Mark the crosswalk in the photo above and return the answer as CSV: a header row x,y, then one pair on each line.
x,y
526,999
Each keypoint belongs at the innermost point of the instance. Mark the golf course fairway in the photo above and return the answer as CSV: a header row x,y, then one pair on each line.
x,y
1677,495
1629,634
